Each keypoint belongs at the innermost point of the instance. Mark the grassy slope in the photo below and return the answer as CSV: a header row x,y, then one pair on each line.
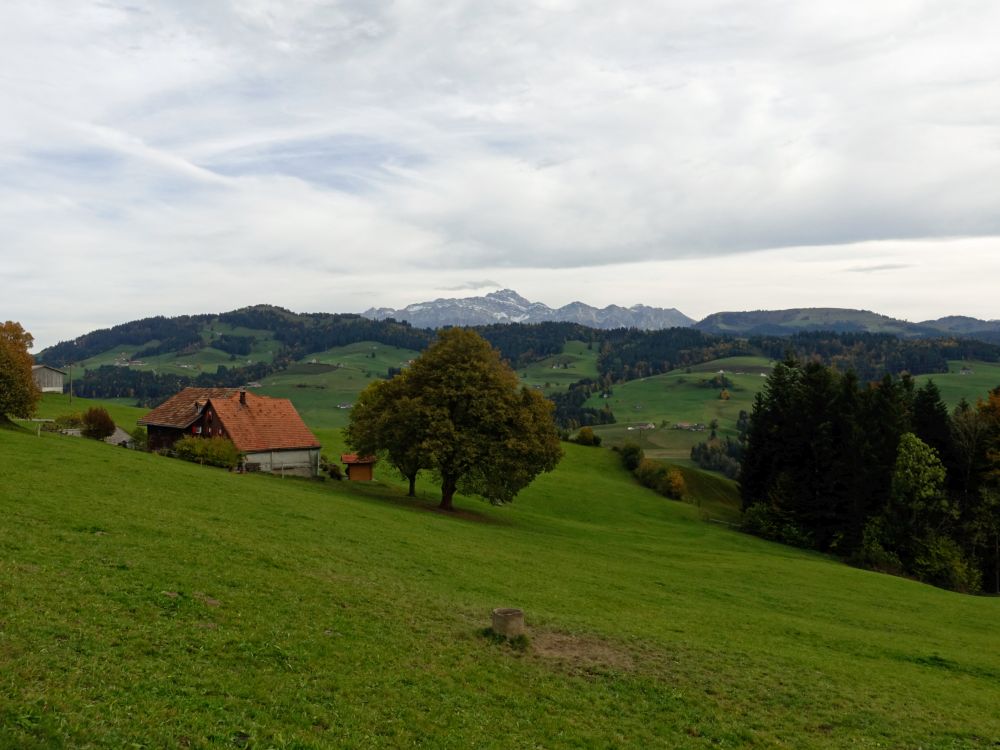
x,y
556,373
954,386
327,614
678,397
203,360
316,396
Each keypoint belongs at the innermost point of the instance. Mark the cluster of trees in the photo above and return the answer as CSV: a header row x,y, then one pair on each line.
x,y
151,388
881,474
666,480
570,412
458,411
524,343
722,455
725,455
627,354
235,345
871,355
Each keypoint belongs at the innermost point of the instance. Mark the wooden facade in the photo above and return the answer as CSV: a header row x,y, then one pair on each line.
x,y
48,379
359,469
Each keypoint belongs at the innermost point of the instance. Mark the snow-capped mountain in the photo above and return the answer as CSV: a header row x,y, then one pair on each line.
x,y
507,306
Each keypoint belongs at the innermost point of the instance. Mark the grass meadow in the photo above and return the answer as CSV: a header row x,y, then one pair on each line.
x,y
146,602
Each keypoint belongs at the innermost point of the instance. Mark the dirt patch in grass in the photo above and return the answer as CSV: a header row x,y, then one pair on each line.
x,y
582,653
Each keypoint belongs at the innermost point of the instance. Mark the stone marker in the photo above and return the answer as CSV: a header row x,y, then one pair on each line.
x,y
508,622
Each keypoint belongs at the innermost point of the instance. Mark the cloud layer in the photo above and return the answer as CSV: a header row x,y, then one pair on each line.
x,y
284,150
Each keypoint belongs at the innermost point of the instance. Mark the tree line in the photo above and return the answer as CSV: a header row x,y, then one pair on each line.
x,y
879,473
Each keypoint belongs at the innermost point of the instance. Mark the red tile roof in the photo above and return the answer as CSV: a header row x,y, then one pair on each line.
x,y
262,423
259,424
352,458
183,409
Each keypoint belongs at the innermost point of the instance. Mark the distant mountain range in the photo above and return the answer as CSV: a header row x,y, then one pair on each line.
x,y
507,306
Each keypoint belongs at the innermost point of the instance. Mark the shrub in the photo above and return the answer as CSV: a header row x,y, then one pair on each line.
x,y
666,480
940,562
97,423
586,436
213,451
332,468
632,455
70,421
140,438
767,522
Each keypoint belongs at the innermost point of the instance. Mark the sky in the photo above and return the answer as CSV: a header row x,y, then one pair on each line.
x,y
197,156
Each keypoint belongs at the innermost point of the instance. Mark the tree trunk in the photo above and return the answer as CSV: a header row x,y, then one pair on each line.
x,y
447,493
413,485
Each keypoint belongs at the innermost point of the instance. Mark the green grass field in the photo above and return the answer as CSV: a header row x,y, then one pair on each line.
x,y
146,602
556,373
954,386
321,382
680,396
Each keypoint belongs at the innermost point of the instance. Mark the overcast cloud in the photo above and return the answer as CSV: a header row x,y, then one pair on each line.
x,y
195,156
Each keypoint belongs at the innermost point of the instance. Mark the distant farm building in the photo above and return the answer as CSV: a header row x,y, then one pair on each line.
x,y
48,379
359,468
268,431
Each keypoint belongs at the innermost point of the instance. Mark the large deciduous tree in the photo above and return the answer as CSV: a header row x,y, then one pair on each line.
x,y
18,393
386,419
459,410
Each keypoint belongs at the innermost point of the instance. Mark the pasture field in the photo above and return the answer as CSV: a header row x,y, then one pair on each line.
x,y
321,382
954,386
556,373
680,396
146,602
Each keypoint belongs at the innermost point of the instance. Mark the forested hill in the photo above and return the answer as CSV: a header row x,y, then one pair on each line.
x,y
236,339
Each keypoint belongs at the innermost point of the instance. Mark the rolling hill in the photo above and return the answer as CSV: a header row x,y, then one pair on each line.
x,y
145,601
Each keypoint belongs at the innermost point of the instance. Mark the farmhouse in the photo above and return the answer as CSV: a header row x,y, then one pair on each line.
x,y
267,431
48,379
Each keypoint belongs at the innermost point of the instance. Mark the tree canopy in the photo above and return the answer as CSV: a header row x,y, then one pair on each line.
x,y
880,473
18,393
458,410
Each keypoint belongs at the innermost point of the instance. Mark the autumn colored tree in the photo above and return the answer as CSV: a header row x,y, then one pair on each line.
x,y
97,423
459,410
18,393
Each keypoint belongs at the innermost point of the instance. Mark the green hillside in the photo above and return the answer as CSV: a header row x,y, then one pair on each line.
x,y
809,319
969,380
206,359
556,373
680,396
146,602
322,383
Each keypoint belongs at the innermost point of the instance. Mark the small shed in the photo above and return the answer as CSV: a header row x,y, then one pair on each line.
x,y
48,379
359,468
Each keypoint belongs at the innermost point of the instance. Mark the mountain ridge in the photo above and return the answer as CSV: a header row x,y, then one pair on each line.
x,y
507,306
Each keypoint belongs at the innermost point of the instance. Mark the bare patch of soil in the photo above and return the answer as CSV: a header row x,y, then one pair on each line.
x,y
206,599
581,652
